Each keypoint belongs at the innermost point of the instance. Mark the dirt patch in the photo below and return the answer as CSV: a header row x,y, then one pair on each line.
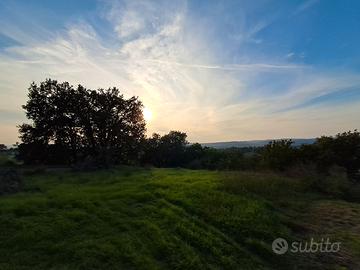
x,y
337,221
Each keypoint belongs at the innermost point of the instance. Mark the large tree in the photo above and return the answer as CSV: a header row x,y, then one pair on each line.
x,y
70,123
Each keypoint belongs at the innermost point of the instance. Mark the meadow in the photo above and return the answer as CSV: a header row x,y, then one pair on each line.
x,y
147,218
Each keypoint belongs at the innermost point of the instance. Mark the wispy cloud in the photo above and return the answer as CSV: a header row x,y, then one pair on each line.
x,y
158,56
230,67
306,4
249,34
290,55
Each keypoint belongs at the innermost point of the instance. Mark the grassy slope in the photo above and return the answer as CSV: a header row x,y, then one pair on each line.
x,y
165,219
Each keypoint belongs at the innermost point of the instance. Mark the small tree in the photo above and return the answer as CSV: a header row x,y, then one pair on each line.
x,y
279,154
151,147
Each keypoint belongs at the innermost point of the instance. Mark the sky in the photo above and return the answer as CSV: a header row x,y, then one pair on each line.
x,y
217,70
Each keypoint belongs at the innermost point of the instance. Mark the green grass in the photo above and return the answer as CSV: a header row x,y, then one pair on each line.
x,y
134,218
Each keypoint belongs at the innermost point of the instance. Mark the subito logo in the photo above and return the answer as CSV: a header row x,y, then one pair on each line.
x,y
280,246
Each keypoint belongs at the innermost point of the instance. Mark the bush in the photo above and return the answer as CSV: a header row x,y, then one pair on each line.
x,y
278,155
336,183
302,170
10,181
195,164
6,161
92,163
342,150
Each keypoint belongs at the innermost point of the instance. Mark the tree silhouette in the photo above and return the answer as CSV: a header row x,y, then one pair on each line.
x,y
69,124
166,151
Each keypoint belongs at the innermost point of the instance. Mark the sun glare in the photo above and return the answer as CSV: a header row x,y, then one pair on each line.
x,y
148,115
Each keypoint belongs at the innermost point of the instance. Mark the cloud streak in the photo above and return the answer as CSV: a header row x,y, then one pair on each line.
x,y
157,55
304,6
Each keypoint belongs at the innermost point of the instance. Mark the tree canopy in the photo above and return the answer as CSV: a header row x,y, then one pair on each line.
x,y
70,123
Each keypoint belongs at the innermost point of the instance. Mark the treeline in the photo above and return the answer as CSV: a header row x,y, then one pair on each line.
x,y
97,128
342,150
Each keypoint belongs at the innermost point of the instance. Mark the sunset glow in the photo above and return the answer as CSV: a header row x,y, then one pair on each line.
x,y
148,115
219,70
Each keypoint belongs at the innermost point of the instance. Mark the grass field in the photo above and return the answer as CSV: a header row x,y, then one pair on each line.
x,y
135,218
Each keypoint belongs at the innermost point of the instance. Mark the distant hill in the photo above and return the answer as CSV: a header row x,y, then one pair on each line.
x,y
254,143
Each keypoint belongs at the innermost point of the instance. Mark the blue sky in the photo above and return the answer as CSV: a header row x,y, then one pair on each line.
x,y
219,70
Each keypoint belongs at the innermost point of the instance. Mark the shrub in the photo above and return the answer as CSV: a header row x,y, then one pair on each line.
x,y
6,161
342,150
92,163
195,164
279,154
302,170
334,183
10,181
